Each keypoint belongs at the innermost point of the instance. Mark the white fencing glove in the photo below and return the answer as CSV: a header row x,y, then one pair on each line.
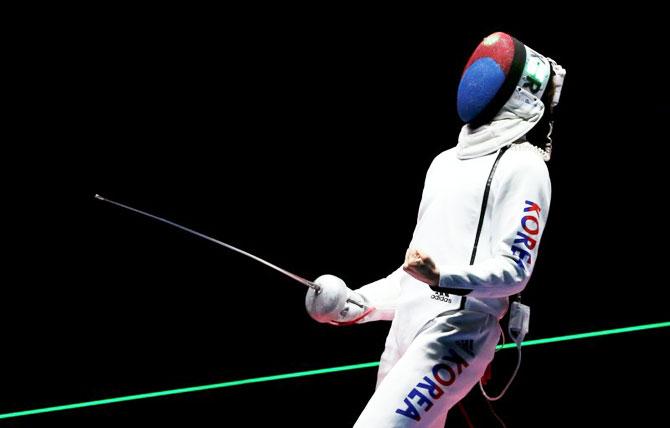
x,y
335,303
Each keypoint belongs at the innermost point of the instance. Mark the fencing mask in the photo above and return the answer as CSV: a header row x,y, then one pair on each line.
x,y
502,70
497,67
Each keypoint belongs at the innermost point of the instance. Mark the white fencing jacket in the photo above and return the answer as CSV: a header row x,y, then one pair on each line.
x,y
514,220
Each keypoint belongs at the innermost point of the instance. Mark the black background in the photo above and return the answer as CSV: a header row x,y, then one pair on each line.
x,y
303,136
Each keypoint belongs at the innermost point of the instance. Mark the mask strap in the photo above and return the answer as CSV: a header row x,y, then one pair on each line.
x,y
557,78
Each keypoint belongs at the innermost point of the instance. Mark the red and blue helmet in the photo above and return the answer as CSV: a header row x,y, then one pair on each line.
x,y
497,67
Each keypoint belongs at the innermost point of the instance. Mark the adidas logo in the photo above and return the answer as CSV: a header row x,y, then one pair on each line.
x,y
442,296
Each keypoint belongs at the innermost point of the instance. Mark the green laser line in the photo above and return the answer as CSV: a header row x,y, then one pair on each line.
x,y
585,335
307,373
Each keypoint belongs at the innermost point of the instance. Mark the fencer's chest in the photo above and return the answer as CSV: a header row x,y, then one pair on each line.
x,y
456,186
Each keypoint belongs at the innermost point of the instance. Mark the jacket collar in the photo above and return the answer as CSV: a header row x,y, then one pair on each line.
x,y
518,116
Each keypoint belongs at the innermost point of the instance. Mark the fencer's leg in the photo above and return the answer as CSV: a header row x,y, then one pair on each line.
x,y
438,369
390,356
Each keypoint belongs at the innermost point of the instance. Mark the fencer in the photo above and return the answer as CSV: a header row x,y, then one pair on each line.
x,y
482,214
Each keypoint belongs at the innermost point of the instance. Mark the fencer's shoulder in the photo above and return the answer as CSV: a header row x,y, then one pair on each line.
x,y
445,156
441,162
524,159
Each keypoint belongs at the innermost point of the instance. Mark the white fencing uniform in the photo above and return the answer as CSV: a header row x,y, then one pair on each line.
x,y
441,340
439,345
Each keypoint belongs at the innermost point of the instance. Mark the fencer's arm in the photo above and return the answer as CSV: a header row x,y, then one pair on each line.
x,y
382,295
335,303
496,277
520,206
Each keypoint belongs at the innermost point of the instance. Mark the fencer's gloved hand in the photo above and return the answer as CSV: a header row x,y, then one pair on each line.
x,y
422,267
335,303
